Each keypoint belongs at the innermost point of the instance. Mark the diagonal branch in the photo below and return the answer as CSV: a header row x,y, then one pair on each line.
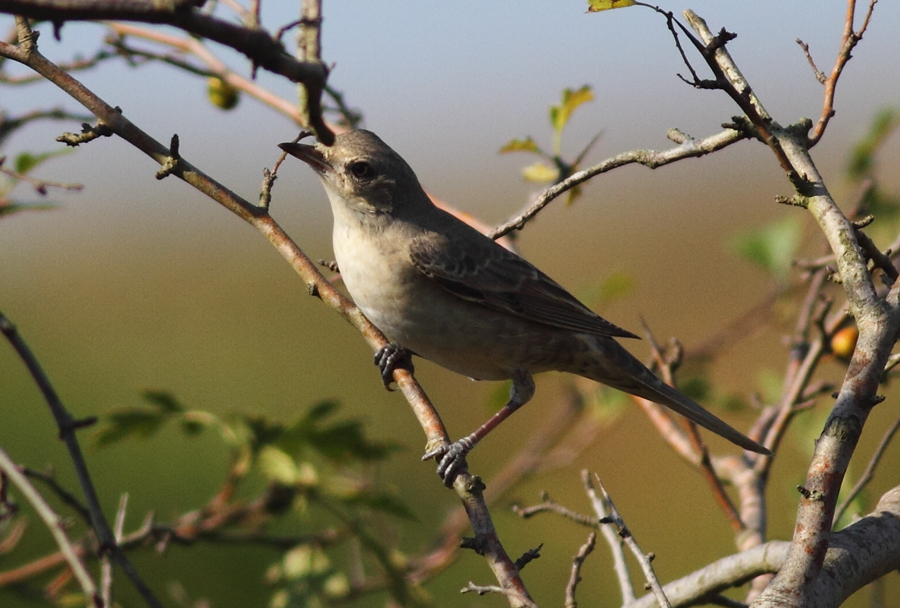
x,y
688,148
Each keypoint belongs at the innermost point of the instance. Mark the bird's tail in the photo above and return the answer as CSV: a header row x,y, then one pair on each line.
x,y
616,367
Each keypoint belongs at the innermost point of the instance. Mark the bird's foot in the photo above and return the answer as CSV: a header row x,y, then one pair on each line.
x,y
451,459
390,357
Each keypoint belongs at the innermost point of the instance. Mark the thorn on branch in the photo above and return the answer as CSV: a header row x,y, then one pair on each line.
x,y
528,556
476,543
171,161
88,133
74,424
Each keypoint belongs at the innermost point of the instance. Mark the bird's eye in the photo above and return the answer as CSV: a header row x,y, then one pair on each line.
x,y
360,169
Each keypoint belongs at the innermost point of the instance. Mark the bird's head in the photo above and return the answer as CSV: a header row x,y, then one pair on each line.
x,y
362,172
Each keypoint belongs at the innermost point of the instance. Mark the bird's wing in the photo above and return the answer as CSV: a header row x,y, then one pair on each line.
x,y
476,269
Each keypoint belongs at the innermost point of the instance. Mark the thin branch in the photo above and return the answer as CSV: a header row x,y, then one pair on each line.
x,y
615,541
649,158
849,41
550,506
54,524
106,575
68,425
819,75
577,563
600,505
63,494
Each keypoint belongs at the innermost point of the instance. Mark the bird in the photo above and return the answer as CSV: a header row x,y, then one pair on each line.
x,y
439,289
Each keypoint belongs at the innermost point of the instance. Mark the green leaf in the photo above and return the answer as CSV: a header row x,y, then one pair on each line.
x,y
521,145
773,246
560,114
277,465
340,441
595,6
26,161
128,422
540,173
11,208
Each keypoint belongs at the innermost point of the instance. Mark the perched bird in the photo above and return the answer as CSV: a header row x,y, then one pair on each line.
x,y
438,288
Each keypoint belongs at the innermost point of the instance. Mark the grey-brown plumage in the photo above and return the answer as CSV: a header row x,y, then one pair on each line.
x,y
441,289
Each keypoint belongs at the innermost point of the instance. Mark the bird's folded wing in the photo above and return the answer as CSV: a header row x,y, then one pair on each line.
x,y
485,273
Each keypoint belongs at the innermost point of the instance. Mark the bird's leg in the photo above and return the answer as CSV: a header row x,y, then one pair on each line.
x,y
390,357
452,458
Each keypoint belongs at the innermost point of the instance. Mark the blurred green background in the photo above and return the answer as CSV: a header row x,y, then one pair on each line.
x,y
135,283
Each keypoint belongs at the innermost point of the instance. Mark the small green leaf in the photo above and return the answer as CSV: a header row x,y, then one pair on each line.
x,y
540,173
521,145
560,114
11,208
773,246
305,561
128,422
276,465
26,161
595,6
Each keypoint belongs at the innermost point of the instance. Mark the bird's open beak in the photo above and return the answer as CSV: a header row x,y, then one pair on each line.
x,y
308,154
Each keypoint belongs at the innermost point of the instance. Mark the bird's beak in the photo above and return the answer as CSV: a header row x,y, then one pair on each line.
x,y
308,154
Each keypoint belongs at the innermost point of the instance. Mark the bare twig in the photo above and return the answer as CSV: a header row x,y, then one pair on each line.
x,y
850,39
614,540
54,524
577,563
106,578
600,506
819,75
550,506
649,158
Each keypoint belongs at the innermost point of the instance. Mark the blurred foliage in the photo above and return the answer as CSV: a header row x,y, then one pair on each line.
x,y
311,464
553,168
23,165
861,164
611,287
772,247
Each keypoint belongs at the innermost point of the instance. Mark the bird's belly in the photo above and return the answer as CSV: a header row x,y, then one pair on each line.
x,y
412,310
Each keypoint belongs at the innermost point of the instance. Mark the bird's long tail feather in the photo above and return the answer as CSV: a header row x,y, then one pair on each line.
x,y
619,369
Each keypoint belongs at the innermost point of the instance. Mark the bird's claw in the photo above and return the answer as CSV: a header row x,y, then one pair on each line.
x,y
451,459
390,357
